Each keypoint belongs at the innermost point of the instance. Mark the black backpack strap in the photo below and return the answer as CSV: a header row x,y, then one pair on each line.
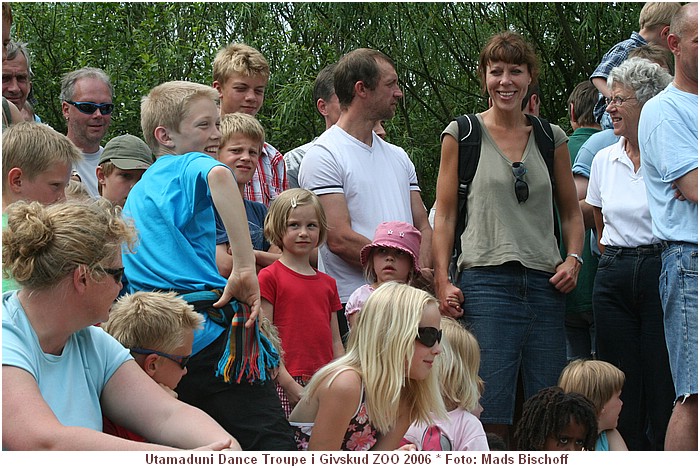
x,y
544,137
469,140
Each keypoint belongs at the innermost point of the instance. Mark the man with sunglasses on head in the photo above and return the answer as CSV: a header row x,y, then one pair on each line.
x,y
86,103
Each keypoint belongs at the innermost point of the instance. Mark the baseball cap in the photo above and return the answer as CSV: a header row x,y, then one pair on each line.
x,y
127,152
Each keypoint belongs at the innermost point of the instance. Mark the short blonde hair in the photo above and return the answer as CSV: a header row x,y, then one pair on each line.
x,y
167,105
35,148
380,349
42,245
282,207
598,381
239,123
657,14
458,366
239,59
152,320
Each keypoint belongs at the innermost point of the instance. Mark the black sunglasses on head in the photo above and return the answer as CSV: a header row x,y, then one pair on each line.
x,y
116,273
181,360
522,191
428,336
89,108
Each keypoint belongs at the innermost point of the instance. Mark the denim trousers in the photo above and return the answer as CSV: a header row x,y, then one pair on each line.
x,y
518,318
630,335
678,287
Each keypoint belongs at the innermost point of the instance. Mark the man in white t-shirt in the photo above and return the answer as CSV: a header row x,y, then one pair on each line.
x,y
86,103
361,179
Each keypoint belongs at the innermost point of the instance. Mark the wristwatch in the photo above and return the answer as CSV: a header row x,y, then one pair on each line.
x,y
578,258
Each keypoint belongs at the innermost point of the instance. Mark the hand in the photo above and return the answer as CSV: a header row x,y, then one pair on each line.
x,y
566,276
242,285
450,298
294,392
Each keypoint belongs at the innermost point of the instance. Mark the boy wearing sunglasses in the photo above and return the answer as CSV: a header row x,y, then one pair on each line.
x,y
86,103
158,329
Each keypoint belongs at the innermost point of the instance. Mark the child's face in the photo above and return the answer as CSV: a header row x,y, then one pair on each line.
x,y
199,130
391,264
117,185
607,419
240,93
168,372
571,438
47,187
302,233
241,153
423,356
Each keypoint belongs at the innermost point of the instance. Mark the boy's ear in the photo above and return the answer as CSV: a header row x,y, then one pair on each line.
x,y
101,178
14,179
217,86
162,135
150,364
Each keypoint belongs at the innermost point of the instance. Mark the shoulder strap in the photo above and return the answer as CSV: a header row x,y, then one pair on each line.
x,y
544,137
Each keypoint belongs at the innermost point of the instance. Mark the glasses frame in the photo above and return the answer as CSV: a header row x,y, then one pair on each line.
x,y
428,336
522,190
116,273
179,360
106,108
617,101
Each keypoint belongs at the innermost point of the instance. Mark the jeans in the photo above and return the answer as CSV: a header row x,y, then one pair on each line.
x,y
518,318
678,287
630,335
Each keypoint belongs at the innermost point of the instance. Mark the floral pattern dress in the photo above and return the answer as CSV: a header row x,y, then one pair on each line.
x,y
360,435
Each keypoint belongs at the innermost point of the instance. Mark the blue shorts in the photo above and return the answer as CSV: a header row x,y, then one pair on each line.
x,y
518,318
678,288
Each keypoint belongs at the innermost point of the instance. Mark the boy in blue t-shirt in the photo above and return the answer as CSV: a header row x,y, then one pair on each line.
x,y
174,208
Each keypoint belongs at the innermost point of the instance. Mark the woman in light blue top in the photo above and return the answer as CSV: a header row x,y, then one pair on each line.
x,y
59,372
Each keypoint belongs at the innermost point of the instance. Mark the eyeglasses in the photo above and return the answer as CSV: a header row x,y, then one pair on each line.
x,y
89,108
180,360
428,336
117,273
522,191
617,100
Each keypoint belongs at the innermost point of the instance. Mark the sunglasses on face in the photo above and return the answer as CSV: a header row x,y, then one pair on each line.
x,y
180,360
116,273
522,191
89,108
428,336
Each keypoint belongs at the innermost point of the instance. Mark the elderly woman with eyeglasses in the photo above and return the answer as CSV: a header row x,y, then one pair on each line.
x,y
626,304
59,372
513,280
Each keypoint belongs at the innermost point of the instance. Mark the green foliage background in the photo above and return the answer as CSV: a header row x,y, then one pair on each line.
x,y
435,47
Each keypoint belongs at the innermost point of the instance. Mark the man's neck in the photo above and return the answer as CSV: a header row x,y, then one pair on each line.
x,y
356,126
84,146
684,84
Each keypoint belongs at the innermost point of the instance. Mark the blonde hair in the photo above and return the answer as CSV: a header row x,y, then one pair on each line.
x,y
239,59
657,14
598,381
153,320
41,245
167,105
458,366
239,123
35,148
77,191
380,349
282,207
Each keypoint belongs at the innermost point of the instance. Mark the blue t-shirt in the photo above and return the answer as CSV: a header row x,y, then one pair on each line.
x,y
255,212
668,142
585,155
173,211
71,383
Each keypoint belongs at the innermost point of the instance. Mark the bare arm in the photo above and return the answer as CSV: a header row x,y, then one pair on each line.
x,y
342,240
688,186
224,261
420,222
336,407
445,223
571,218
581,189
134,401
338,348
243,280
615,441
598,217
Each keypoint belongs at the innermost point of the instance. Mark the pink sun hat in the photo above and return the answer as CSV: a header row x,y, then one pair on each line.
x,y
395,235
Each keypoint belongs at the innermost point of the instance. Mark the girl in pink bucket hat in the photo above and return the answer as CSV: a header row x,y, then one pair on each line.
x,y
392,256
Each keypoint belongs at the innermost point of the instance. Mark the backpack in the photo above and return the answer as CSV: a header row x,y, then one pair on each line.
x,y
469,152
